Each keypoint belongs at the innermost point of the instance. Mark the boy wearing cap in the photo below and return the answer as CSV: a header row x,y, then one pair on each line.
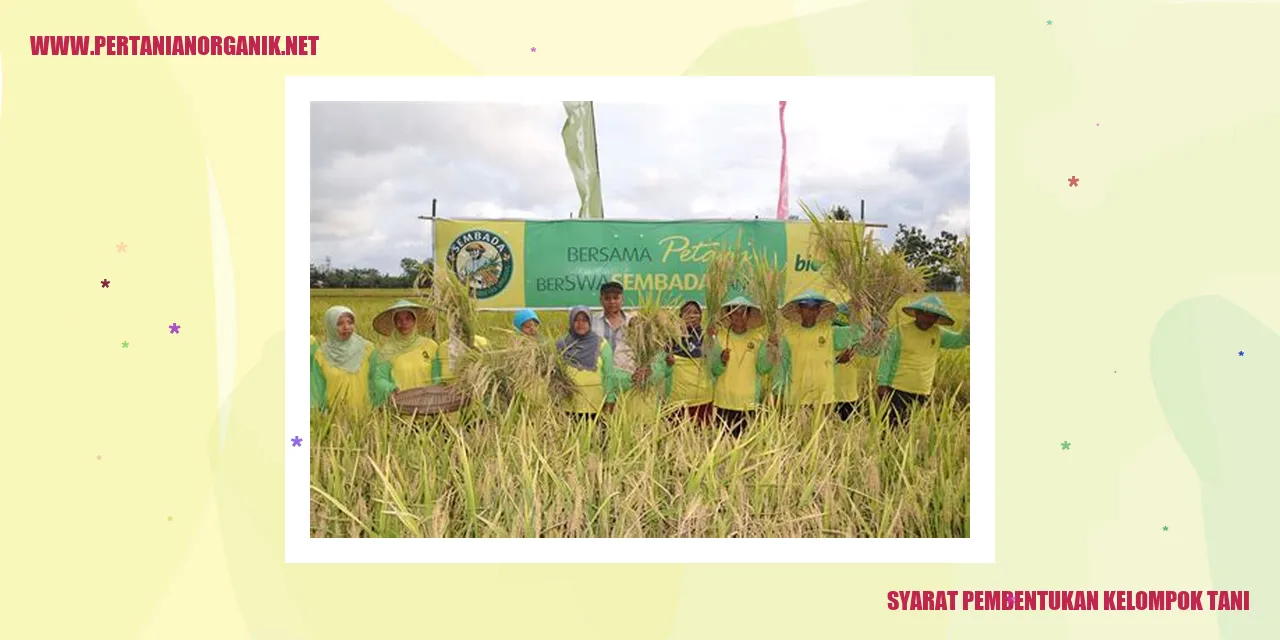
x,y
910,357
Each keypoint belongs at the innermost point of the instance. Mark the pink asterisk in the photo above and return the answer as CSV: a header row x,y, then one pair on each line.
x,y
105,283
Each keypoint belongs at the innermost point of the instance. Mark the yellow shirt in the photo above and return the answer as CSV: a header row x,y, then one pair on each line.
x,y
412,368
847,375
588,386
910,357
690,382
737,383
446,367
346,389
810,360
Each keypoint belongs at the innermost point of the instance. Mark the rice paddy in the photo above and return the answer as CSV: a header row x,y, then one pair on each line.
x,y
529,472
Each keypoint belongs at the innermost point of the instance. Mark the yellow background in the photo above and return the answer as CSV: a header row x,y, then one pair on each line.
x,y
511,296
1167,112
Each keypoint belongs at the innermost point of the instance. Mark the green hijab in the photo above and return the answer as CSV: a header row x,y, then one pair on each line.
x,y
345,354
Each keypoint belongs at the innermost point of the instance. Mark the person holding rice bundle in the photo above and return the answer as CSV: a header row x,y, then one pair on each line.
x,y
684,371
527,322
738,358
412,355
811,349
610,325
590,360
847,390
346,372
452,352
910,357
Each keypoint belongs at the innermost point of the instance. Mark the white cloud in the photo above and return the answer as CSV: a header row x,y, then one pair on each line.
x,y
376,166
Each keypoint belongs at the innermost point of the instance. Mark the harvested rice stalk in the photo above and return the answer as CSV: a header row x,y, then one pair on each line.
x,y
870,278
453,303
529,373
724,271
767,280
652,328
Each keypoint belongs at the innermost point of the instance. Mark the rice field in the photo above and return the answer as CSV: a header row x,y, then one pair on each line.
x,y
646,474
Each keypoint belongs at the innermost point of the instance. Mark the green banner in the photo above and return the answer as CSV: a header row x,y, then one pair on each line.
x,y
557,264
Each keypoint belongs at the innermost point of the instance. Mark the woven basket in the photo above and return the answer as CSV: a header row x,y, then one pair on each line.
x,y
428,400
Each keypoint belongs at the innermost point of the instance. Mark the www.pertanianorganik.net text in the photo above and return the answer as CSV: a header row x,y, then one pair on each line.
x,y
174,45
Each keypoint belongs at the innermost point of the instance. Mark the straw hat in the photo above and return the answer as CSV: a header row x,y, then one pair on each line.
x,y
827,308
930,304
754,317
385,322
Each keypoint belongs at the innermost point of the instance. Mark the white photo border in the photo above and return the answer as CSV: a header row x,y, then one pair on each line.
x,y
300,92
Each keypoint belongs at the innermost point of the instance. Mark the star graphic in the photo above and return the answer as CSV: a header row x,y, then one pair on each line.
x,y
1073,181
1242,353
1166,528
120,248
297,442
99,457
533,49
1049,22
173,328
106,283
170,518
1065,445
125,344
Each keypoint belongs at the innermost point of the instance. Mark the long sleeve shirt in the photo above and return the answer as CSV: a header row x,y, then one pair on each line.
x,y
333,387
910,358
737,383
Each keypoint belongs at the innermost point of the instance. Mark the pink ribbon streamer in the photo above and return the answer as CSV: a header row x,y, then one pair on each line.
x,y
782,177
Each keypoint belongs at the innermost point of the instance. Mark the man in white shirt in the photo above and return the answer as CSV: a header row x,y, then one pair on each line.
x,y
609,325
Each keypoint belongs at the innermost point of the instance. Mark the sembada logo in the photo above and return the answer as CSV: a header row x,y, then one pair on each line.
x,y
482,260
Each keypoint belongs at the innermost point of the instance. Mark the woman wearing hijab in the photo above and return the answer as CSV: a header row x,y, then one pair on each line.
x,y
411,354
685,371
590,361
346,371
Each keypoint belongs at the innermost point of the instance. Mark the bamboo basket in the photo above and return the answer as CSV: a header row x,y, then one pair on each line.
x,y
428,400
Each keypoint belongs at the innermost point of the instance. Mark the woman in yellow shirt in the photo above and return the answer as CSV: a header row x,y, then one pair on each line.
x,y
739,358
411,354
910,357
346,372
590,361
684,371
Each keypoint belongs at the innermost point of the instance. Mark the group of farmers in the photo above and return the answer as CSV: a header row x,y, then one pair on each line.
x,y
724,375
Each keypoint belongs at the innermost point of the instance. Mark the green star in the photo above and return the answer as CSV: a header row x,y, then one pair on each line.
x,y
125,344
1065,445
1049,22
1166,528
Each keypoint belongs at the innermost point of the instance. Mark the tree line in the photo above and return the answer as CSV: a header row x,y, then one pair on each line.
x,y
933,254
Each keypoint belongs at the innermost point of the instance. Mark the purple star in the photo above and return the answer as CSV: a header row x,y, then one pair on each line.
x,y
173,328
297,442
533,49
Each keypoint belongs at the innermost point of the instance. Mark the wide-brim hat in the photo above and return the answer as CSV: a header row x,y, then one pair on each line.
x,y
385,322
930,304
827,308
754,316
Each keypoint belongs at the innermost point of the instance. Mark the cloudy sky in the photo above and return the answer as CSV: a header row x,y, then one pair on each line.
x,y
376,166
